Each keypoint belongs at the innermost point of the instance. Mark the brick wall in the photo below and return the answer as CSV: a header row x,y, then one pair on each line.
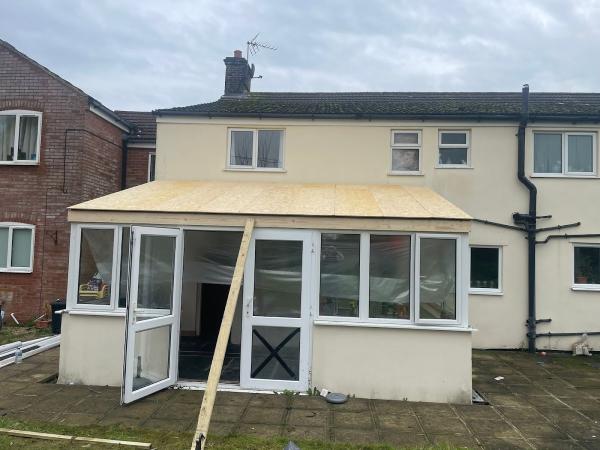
x,y
40,194
137,165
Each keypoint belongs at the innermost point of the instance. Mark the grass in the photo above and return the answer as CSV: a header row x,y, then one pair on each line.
x,y
27,332
165,439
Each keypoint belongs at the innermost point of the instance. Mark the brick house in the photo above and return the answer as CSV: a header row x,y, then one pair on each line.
x,y
69,148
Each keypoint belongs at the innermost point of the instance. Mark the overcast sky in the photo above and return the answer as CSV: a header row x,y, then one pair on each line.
x,y
156,53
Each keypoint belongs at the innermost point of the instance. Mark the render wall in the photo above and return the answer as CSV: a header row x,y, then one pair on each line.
x,y
334,151
393,364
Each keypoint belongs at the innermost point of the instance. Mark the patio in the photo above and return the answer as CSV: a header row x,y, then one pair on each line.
x,y
542,402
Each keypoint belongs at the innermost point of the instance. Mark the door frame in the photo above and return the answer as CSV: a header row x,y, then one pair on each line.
x,y
128,395
303,322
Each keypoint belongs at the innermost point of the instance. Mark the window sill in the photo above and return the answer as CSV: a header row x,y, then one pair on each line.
x,y
592,176
393,173
485,292
23,270
582,287
449,166
339,323
253,169
90,312
19,163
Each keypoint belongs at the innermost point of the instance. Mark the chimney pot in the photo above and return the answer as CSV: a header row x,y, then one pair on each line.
x,y
237,54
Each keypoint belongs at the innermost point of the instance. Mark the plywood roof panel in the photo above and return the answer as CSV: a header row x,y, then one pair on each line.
x,y
243,198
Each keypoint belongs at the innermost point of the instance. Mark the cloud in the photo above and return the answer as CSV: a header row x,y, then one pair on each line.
x,y
151,54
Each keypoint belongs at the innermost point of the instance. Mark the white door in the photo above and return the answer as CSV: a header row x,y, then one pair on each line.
x,y
152,334
275,325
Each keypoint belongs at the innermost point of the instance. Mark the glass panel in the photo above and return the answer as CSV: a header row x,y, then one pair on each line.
x,y
454,138
156,275
405,159
581,153
454,156
151,356
28,135
587,265
3,246
21,248
152,168
95,266
406,138
124,269
269,148
547,153
437,284
275,353
340,275
485,268
7,137
277,278
241,148
389,277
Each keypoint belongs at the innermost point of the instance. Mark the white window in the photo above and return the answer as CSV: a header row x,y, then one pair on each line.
x,y
16,247
20,135
151,166
454,149
406,152
486,269
255,149
391,278
564,153
586,266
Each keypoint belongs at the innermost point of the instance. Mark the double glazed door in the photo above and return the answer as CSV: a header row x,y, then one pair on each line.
x,y
276,309
153,312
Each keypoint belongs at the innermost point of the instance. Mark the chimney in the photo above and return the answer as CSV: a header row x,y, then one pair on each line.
x,y
238,75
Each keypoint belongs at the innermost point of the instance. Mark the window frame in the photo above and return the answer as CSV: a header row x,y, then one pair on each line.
x,y
363,318
151,158
565,155
418,147
254,166
11,227
581,286
18,113
467,133
489,291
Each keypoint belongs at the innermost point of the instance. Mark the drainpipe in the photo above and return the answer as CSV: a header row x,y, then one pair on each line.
x,y
529,220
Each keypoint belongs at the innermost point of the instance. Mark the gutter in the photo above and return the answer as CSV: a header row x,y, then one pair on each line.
x,y
102,111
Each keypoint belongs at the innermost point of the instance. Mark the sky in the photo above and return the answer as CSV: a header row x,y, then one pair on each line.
x,y
144,55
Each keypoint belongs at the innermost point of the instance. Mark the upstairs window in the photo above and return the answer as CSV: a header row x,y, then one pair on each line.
x,y
557,153
16,247
454,149
20,137
406,152
255,149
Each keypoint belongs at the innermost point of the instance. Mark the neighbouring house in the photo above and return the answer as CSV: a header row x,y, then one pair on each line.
x,y
58,146
390,238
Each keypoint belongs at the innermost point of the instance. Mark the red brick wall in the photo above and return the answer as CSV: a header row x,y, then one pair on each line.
x,y
137,165
40,194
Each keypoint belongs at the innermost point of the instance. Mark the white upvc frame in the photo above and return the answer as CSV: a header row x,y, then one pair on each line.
x,y
462,280
74,262
581,286
18,113
11,227
151,159
418,146
489,291
254,166
565,155
441,146
303,322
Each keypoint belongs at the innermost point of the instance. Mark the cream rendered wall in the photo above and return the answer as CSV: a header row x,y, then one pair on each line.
x,y
393,364
352,151
91,350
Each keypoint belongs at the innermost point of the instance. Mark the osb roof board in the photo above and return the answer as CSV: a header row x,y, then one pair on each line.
x,y
279,199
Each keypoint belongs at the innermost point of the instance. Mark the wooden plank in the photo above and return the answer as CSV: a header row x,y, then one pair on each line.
x,y
216,366
66,437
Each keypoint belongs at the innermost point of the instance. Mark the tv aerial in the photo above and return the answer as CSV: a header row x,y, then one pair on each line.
x,y
253,47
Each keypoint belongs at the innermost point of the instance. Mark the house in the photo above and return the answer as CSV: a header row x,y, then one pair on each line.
x,y
390,238
58,146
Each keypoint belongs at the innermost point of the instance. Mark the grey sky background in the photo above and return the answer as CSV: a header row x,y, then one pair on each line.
x,y
149,54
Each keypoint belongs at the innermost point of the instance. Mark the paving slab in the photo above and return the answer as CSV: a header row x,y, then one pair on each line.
x,y
257,414
355,420
308,417
318,433
356,436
